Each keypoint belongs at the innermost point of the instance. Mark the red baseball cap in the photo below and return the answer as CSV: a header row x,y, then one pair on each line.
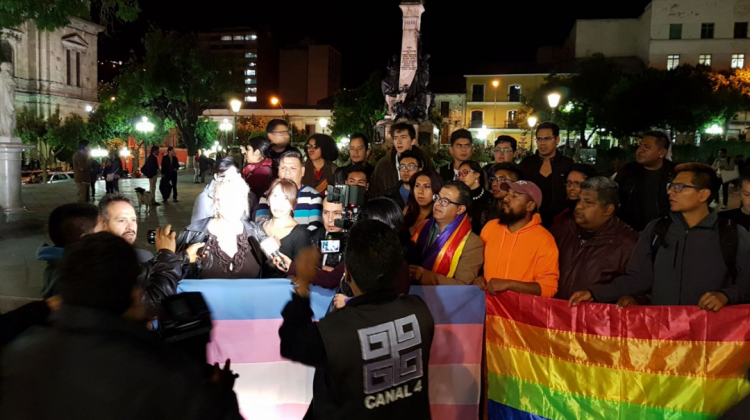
x,y
525,187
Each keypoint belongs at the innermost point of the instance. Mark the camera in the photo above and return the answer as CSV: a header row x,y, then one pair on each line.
x,y
151,236
352,198
185,323
332,247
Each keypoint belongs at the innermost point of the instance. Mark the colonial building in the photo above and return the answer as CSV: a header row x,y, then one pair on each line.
x,y
451,107
493,102
308,120
669,33
54,69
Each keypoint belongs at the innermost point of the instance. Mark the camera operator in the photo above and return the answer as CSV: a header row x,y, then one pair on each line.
x,y
97,340
160,274
346,346
332,237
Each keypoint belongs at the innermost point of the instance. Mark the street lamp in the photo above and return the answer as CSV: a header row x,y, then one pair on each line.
x,y
276,101
225,126
531,120
495,84
89,108
324,124
554,100
144,127
236,105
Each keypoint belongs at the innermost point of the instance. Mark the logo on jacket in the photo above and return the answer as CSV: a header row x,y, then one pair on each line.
x,y
394,356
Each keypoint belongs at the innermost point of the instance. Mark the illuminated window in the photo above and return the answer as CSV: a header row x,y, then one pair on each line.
x,y
251,99
738,61
226,38
251,55
250,81
249,72
673,61
238,38
251,37
705,59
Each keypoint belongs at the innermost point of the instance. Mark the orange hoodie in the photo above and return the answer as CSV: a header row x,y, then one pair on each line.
x,y
529,255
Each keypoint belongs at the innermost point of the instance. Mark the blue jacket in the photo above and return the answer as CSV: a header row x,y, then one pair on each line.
x,y
52,255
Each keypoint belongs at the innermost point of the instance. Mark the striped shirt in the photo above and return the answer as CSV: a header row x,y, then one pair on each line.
x,y
308,211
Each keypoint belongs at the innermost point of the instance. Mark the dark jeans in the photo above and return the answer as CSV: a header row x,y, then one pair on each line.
x,y
172,178
108,187
725,192
93,189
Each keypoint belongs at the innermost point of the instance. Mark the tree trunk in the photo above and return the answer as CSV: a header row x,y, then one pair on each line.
x,y
584,141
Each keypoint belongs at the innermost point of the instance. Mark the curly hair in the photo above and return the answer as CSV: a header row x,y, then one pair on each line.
x,y
327,145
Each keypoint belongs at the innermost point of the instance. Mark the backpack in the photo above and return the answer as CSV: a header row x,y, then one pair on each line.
x,y
728,239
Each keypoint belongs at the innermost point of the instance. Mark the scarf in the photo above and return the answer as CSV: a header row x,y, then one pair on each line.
x,y
442,256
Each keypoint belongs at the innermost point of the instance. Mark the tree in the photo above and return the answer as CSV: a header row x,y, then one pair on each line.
x,y
50,137
50,15
206,132
177,79
249,127
358,110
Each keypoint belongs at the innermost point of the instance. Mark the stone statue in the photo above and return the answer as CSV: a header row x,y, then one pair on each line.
x,y
7,100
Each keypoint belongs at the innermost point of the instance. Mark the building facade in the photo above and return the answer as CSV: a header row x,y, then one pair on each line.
x,y
670,33
55,69
308,74
493,111
253,55
451,107
308,120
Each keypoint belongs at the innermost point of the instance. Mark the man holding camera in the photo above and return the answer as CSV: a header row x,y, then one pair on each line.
x,y
160,274
377,345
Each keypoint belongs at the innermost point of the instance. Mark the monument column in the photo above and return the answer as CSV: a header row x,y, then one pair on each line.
x,y
10,173
412,20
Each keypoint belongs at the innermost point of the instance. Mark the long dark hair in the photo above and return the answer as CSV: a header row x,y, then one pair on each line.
x,y
412,207
327,145
260,144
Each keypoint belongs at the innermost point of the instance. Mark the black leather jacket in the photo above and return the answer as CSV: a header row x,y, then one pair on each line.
x,y
198,232
161,275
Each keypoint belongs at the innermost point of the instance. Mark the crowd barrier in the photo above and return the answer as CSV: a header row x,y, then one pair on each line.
x,y
544,360
247,317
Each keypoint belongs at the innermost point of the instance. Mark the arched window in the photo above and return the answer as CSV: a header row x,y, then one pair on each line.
x,y
510,122
514,93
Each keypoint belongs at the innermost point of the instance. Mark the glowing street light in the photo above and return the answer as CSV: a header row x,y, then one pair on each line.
x,y
225,126
144,126
323,124
484,132
276,101
715,129
531,121
554,100
124,153
235,104
89,108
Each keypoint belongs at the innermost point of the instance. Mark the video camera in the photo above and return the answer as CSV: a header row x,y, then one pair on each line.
x,y
185,323
352,198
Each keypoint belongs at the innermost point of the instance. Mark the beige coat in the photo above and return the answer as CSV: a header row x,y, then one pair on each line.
x,y
469,264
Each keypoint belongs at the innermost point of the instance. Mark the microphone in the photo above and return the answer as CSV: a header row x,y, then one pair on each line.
x,y
271,249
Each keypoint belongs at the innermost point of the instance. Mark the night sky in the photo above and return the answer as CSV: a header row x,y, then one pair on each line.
x,y
462,36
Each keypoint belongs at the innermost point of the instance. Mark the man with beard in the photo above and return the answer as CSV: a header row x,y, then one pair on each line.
x,y
499,174
519,254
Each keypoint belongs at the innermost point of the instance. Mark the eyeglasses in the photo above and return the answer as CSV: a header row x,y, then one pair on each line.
x,y
499,180
679,187
462,146
573,184
312,146
410,167
466,172
504,150
542,139
443,201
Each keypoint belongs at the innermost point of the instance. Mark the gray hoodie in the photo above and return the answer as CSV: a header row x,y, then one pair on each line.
x,y
690,266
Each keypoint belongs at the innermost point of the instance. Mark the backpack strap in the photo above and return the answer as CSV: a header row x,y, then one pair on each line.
x,y
729,241
658,235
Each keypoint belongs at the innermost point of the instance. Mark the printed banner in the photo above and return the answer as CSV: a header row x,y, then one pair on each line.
x,y
596,361
247,317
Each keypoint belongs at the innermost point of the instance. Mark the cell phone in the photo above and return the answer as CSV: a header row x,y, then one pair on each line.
x,y
151,236
330,246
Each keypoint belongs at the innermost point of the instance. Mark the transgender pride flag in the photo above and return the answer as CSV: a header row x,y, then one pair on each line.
x,y
247,317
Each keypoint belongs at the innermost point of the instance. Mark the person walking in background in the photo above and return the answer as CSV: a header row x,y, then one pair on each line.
x,y
107,178
151,171
204,164
116,171
196,166
169,166
96,169
82,171
727,171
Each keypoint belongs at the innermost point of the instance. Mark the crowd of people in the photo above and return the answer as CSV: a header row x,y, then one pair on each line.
x,y
546,226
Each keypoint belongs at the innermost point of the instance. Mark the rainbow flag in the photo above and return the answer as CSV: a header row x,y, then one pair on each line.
x,y
595,361
247,317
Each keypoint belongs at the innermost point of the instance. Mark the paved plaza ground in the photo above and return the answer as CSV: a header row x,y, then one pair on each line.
x,y
22,233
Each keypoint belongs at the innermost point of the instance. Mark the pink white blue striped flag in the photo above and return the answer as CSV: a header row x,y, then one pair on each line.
x,y
247,317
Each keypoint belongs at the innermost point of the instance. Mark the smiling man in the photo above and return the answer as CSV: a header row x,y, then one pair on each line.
x,y
387,173
690,257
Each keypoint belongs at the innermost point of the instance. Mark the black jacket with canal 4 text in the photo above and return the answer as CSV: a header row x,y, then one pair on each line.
x,y
371,357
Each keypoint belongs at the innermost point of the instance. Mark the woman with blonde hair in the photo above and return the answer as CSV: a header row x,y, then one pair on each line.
x,y
232,248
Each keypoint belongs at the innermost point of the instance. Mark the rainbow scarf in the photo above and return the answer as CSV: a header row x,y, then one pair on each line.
x,y
595,361
442,257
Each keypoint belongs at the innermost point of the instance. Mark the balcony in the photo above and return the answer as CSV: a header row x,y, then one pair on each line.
x,y
511,124
514,97
476,124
